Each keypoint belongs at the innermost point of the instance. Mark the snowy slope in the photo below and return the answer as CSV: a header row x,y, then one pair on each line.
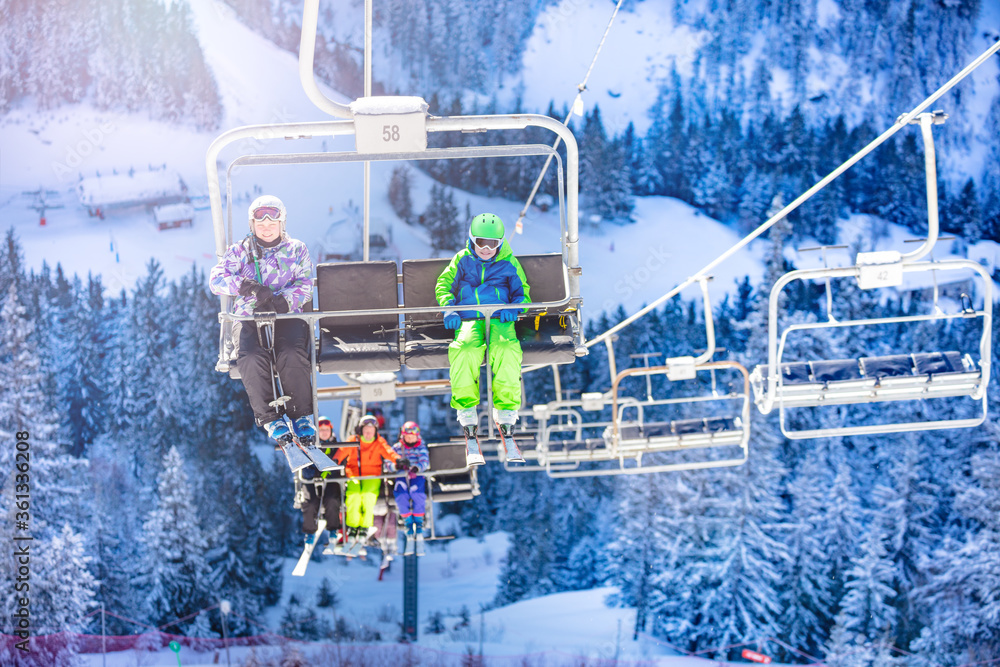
x,y
641,48
560,629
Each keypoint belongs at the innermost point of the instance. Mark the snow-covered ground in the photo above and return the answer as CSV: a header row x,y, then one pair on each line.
x,y
557,629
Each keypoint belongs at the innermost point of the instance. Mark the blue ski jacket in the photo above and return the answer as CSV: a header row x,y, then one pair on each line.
x,y
469,280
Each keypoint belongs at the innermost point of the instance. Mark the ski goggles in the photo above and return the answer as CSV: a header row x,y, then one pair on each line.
x,y
485,243
262,212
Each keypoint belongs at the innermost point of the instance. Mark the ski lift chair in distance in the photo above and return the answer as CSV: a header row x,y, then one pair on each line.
x,y
904,376
624,439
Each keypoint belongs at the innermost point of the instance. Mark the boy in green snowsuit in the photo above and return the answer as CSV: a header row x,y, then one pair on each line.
x,y
484,272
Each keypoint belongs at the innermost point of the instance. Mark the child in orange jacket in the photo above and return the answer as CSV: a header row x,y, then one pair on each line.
x,y
360,495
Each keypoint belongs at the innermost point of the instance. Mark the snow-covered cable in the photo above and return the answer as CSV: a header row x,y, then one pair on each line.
x,y
579,98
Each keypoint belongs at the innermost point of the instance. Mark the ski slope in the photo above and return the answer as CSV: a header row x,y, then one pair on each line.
x,y
559,629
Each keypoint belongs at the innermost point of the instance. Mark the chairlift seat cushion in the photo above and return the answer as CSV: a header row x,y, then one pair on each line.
x,y
551,343
896,365
358,343
425,341
935,363
836,370
688,426
544,274
796,372
446,456
449,488
720,424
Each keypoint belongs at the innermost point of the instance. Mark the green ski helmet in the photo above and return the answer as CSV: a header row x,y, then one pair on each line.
x,y
486,226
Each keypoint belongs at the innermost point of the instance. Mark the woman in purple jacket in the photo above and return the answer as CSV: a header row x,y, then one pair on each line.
x,y
270,272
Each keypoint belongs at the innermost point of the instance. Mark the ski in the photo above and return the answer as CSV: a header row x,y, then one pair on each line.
x,y
473,450
420,544
316,455
511,450
307,443
410,546
294,454
384,565
300,567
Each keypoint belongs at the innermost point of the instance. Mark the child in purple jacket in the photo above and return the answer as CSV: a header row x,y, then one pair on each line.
x,y
411,491
270,272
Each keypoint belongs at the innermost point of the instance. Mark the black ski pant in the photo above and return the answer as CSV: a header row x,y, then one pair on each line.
x,y
291,350
331,507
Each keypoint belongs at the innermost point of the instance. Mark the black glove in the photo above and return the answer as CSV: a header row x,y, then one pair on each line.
x,y
246,288
309,472
402,463
278,304
260,292
414,469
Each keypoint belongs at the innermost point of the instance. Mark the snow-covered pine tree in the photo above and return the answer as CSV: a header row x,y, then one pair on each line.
x,y
808,605
244,556
910,510
56,478
399,192
62,592
867,617
441,218
174,572
646,531
527,567
960,597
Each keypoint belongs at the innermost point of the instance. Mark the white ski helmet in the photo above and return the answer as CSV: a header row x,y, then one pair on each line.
x,y
267,205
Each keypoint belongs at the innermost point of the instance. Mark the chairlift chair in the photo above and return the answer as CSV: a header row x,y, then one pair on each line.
x,y
906,376
630,439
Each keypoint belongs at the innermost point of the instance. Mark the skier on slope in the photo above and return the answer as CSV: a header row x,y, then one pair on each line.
x,y
320,487
411,491
364,460
484,272
270,272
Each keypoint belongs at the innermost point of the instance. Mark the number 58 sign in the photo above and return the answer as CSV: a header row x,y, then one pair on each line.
x,y
390,124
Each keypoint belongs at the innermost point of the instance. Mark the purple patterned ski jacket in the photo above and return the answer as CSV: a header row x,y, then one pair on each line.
x,y
286,268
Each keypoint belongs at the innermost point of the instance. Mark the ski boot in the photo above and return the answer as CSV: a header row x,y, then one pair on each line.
x,y
418,534
335,547
353,542
305,430
473,453
278,430
310,538
411,539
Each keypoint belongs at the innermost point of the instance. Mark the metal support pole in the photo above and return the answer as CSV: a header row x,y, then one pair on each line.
x,y
224,609
410,614
104,640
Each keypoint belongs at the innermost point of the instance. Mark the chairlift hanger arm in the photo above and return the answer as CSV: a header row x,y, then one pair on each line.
x,y
334,128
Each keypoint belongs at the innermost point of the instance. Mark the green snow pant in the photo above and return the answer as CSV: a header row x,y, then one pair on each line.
x,y
465,355
359,498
